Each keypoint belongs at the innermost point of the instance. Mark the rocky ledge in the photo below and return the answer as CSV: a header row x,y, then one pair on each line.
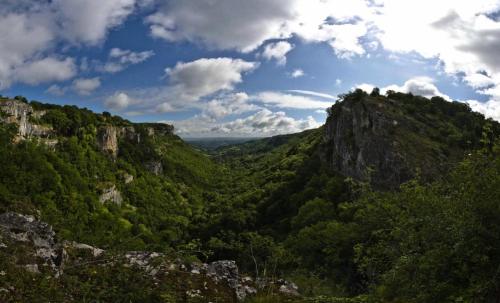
x,y
43,254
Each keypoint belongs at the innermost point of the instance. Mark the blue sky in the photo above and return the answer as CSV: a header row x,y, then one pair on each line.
x,y
246,68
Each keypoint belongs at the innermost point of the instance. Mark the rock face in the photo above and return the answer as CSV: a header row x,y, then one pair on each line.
x,y
107,140
20,113
39,238
112,195
378,140
40,251
108,136
155,167
227,271
360,144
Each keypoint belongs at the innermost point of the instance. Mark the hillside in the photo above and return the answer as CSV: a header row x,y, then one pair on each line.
x,y
323,208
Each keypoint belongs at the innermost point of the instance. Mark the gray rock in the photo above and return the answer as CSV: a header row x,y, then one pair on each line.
x,y
40,235
155,167
95,251
227,271
127,178
359,140
287,288
112,195
107,140
20,113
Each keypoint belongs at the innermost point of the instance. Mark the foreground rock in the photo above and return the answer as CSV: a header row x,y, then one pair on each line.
x,y
42,254
38,240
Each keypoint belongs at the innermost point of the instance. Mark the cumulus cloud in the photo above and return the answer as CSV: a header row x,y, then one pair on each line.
x,y
192,80
56,90
490,109
246,25
478,80
260,124
421,86
225,24
120,59
45,70
297,73
463,35
228,104
191,84
88,21
30,32
119,101
277,51
284,100
84,86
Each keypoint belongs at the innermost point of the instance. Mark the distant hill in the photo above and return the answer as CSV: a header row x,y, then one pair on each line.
x,y
210,144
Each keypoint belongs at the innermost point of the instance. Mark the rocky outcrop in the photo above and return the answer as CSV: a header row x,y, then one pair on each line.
x,y
38,241
107,140
43,254
108,136
158,129
21,113
111,194
360,143
154,167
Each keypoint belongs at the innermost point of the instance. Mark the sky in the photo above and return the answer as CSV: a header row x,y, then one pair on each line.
x,y
246,68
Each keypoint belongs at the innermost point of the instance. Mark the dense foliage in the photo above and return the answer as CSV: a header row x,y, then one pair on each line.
x,y
275,206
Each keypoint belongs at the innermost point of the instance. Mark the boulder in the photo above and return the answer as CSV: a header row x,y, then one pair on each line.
x,y
112,195
38,236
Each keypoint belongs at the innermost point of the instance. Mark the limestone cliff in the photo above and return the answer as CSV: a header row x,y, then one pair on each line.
x,y
107,139
32,246
108,136
20,113
373,139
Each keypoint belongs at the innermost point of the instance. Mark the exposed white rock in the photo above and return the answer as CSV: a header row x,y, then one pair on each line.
x,y
96,252
24,228
112,195
19,113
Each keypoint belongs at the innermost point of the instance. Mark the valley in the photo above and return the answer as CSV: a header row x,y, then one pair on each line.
x,y
394,199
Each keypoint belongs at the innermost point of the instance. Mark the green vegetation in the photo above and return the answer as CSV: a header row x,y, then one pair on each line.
x,y
275,205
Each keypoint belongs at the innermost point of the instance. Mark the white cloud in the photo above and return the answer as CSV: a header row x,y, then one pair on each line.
x,y
260,124
193,80
283,100
31,32
120,59
421,86
338,82
491,108
277,51
88,21
45,70
119,101
312,93
367,87
478,80
56,90
164,107
229,104
297,73
224,24
86,86
246,25
461,34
